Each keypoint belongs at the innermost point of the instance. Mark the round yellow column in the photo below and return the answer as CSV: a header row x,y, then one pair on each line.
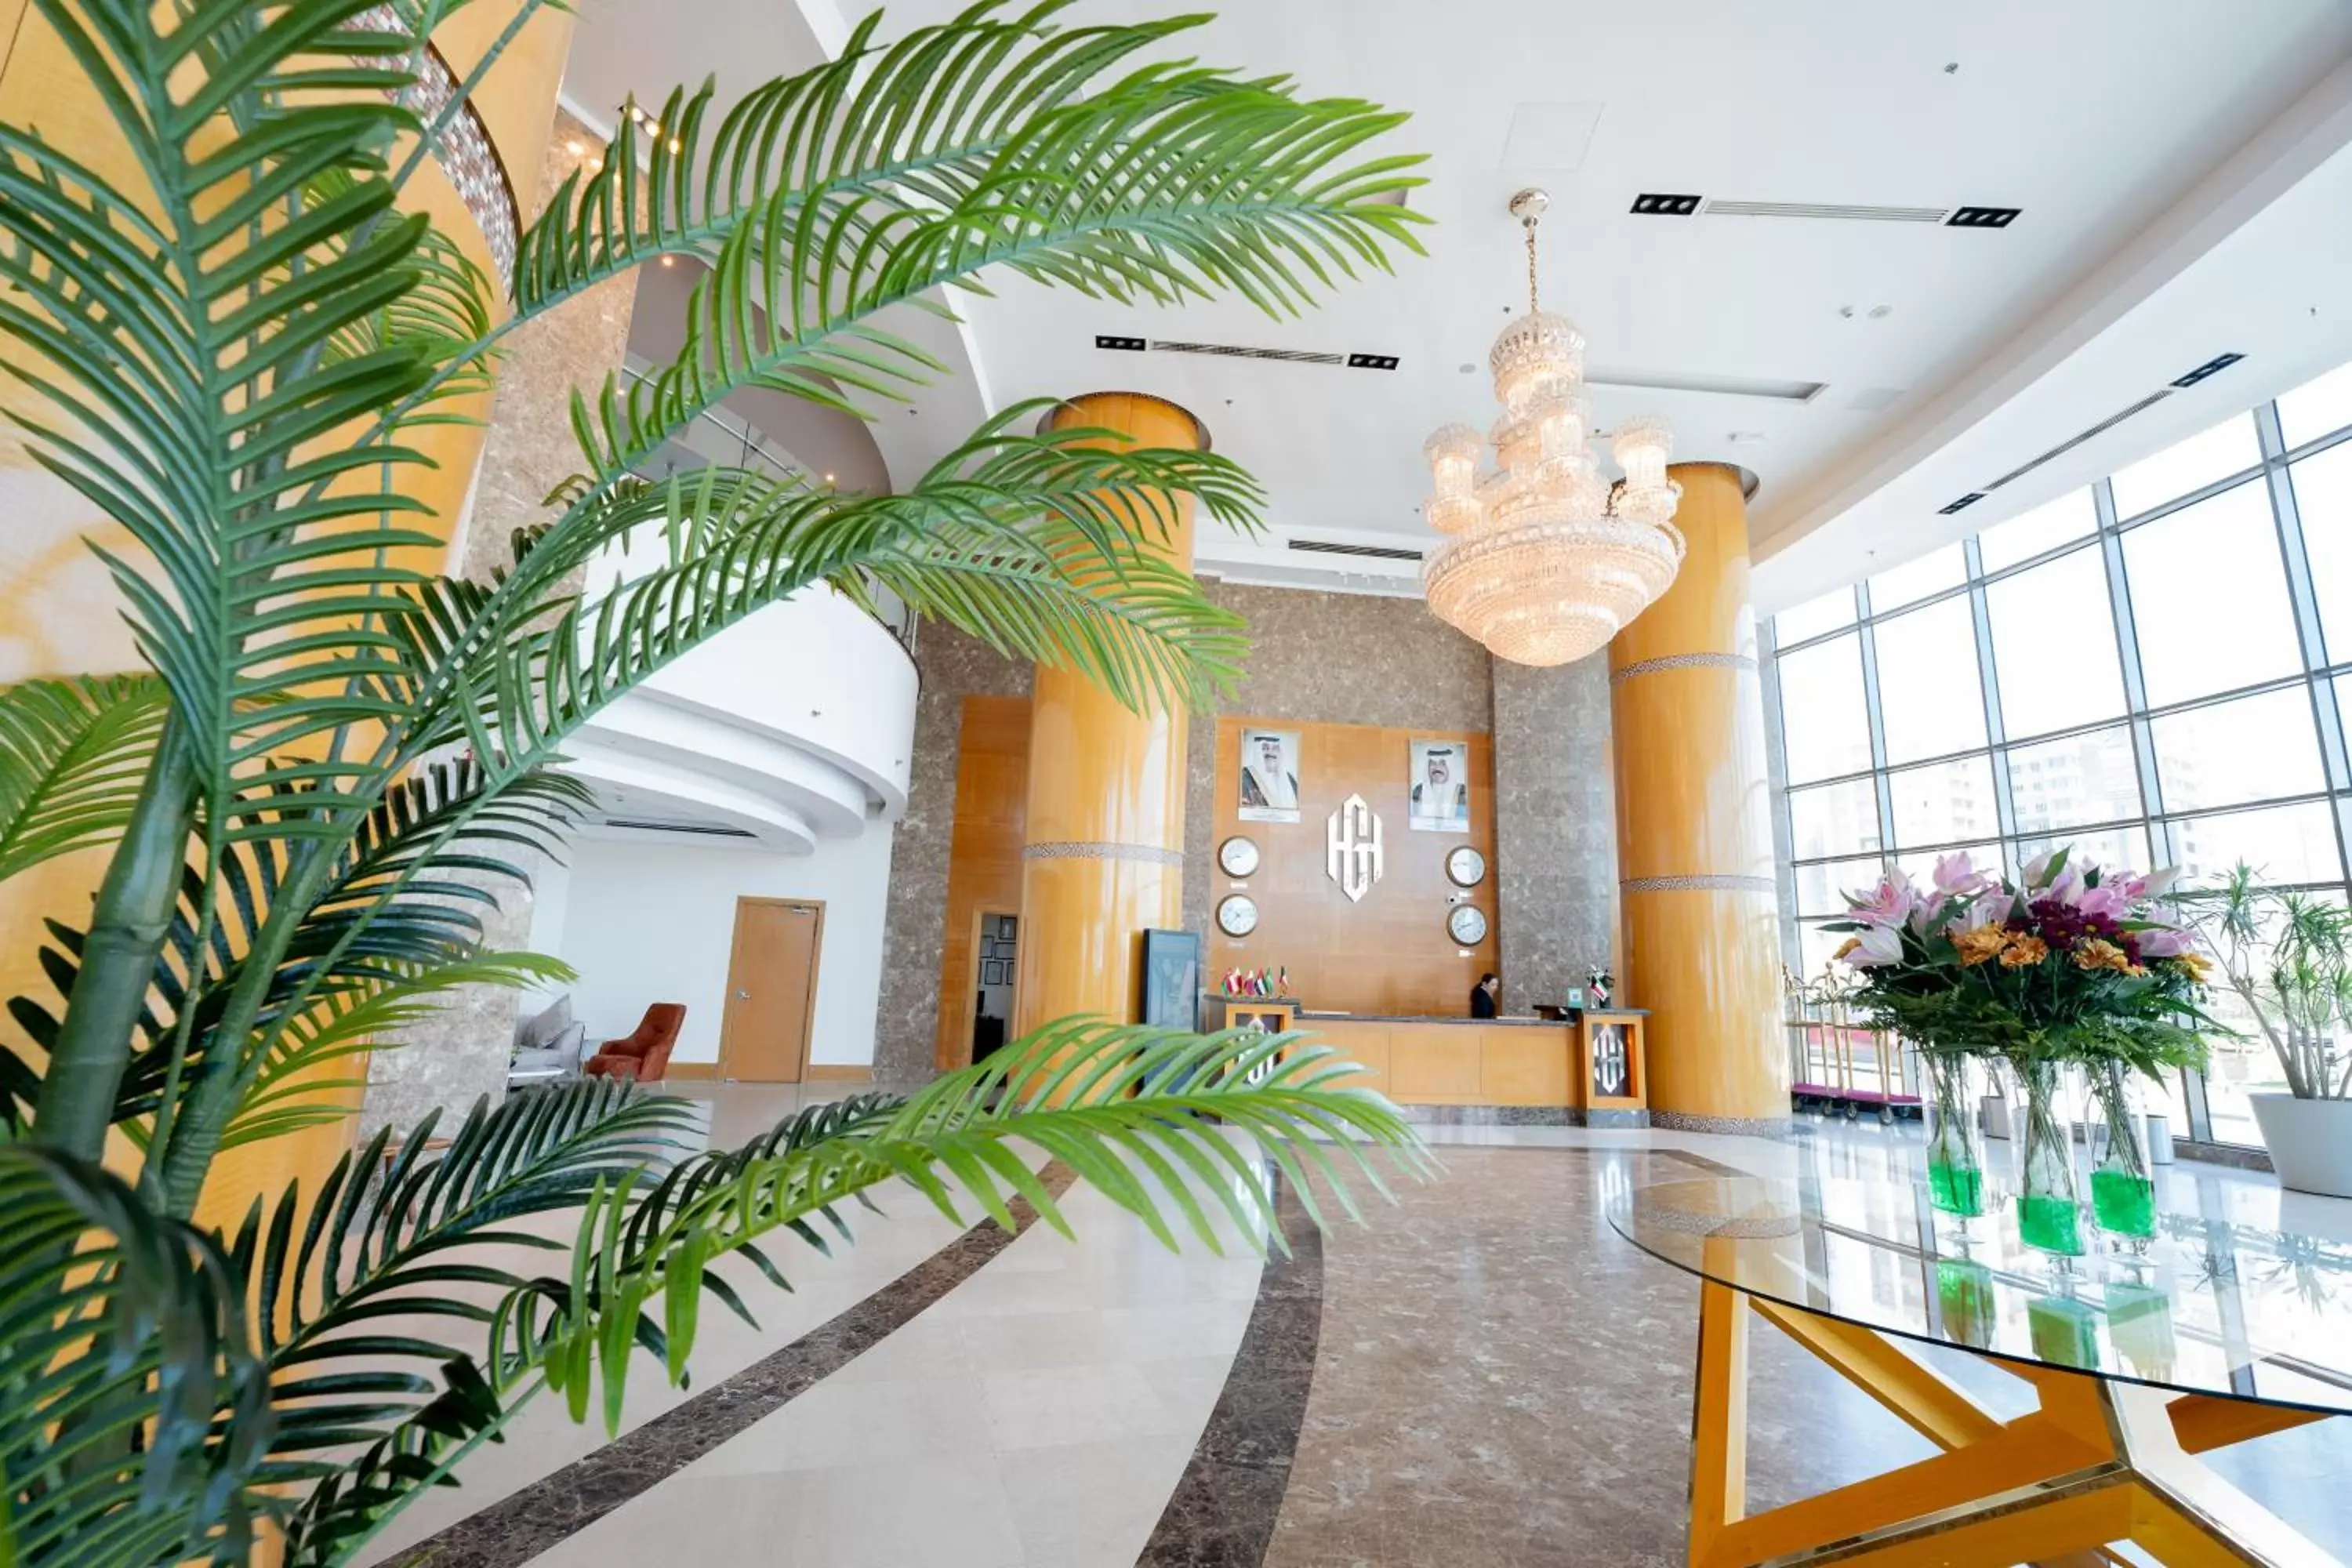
x,y
1694,830
1104,858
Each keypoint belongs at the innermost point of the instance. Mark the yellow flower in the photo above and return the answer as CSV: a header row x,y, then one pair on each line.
x,y
2023,952
2100,954
1979,944
1850,944
2200,967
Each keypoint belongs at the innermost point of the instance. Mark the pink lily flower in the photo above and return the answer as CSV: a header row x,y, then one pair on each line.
x,y
1889,905
1956,877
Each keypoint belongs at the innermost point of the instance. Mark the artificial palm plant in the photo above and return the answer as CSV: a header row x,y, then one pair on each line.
x,y
333,757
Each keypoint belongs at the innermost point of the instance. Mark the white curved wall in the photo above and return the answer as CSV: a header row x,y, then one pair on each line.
x,y
794,727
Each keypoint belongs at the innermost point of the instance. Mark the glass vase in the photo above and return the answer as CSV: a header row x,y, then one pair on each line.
x,y
2123,1189
2049,1199
1955,1147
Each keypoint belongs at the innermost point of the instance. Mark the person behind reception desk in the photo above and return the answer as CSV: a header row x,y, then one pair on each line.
x,y
1483,995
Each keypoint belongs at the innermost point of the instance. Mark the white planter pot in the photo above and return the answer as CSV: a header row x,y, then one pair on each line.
x,y
2310,1141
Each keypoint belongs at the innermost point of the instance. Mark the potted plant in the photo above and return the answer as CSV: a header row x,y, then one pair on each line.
x,y
2063,966
2286,956
229,325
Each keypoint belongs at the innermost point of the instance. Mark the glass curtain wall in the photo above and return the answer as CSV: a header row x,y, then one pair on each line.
x,y
2155,671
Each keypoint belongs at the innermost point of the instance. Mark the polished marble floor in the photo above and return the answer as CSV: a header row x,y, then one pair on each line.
x,y
1483,1375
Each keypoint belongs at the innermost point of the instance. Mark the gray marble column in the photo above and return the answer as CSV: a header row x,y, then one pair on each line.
x,y
460,1053
1555,827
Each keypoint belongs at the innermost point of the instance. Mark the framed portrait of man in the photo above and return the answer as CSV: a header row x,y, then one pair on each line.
x,y
1438,798
1269,775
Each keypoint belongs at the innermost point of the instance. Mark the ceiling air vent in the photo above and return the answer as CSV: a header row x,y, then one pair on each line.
x,y
2213,366
701,829
1230,350
1841,211
1720,385
1651,205
1362,552
2071,442
1982,218
1962,504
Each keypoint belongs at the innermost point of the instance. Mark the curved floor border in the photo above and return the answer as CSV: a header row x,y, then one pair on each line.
x,y
1224,1508
520,1526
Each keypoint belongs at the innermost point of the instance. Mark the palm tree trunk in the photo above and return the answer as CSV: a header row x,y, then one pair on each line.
x,y
128,925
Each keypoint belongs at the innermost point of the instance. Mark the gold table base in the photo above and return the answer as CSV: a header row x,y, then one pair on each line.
x,y
2098,1463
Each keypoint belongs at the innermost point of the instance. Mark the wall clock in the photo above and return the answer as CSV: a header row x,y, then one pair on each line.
x,y
1468,924
1238,856
1237,916
1465,868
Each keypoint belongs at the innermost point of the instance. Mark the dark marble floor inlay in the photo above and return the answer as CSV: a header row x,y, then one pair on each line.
x,y
518,1527
1223,1513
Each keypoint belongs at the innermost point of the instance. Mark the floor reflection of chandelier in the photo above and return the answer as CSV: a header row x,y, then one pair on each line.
x,y
1545,560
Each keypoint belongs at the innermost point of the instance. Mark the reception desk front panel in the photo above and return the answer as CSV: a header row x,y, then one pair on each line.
x,y
1523,1064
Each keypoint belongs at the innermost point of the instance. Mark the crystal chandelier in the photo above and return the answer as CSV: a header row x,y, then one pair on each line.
x,y
1544,559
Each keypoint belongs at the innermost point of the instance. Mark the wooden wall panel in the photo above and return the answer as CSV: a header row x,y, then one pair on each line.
x,y
1391,952
992,803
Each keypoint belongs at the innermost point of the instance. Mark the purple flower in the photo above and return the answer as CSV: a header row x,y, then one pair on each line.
x,y
1889,905
2165,942
1957,878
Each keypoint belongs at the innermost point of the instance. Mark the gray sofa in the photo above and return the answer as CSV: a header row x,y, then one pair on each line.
x,y
547,1045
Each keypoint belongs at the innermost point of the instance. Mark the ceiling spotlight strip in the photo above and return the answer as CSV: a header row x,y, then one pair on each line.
x,y
1545,558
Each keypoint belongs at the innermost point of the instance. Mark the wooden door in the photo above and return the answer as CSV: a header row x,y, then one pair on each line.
x,y
771,989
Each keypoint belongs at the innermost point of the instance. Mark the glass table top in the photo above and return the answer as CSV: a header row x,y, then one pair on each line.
x,y
2206,1307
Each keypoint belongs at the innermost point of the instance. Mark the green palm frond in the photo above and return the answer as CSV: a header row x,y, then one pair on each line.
x,y
1139,1113
285,1094
133,1408
73,754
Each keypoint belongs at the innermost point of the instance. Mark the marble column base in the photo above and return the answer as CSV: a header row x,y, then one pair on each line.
x,y
1730,1126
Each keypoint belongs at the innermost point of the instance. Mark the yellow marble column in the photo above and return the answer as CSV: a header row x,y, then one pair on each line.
x,y
1694,830
1104,858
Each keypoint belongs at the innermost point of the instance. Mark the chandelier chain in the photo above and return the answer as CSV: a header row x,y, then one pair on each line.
x,y
1530,225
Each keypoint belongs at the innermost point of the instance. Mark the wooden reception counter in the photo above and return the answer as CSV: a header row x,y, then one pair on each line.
x,y
1590,1071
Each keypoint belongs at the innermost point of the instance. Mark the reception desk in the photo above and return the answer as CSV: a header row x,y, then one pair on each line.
x,y
1590,1071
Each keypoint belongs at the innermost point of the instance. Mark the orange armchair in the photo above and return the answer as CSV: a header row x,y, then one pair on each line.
x,y
645,1054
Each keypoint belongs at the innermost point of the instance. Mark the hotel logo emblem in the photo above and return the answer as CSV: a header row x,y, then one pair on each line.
x,y
1351,848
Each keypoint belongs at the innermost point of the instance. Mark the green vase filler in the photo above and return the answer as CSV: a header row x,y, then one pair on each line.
x,y
1964,1296
1955,1147
2049,1201
2123,1188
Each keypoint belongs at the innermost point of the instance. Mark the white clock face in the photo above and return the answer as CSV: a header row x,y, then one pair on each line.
x,y
1465,866
1468,924
1238,856
1237,916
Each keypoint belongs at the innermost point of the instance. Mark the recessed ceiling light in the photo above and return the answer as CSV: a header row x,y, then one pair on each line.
x,y
576,146
828,479
1982,218
1467,368
1746,437
1651,204
668,260
1880,312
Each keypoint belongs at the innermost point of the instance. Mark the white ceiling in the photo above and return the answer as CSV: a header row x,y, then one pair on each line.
x,y
2172,158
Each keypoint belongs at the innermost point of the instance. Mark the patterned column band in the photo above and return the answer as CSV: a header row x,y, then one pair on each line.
x,y
1683,661
1708,884
1096,849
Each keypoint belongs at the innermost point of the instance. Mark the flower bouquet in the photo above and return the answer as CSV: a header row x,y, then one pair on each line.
x,y
2065,965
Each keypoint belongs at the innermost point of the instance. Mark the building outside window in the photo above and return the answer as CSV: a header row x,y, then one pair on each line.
x,y
2150,669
